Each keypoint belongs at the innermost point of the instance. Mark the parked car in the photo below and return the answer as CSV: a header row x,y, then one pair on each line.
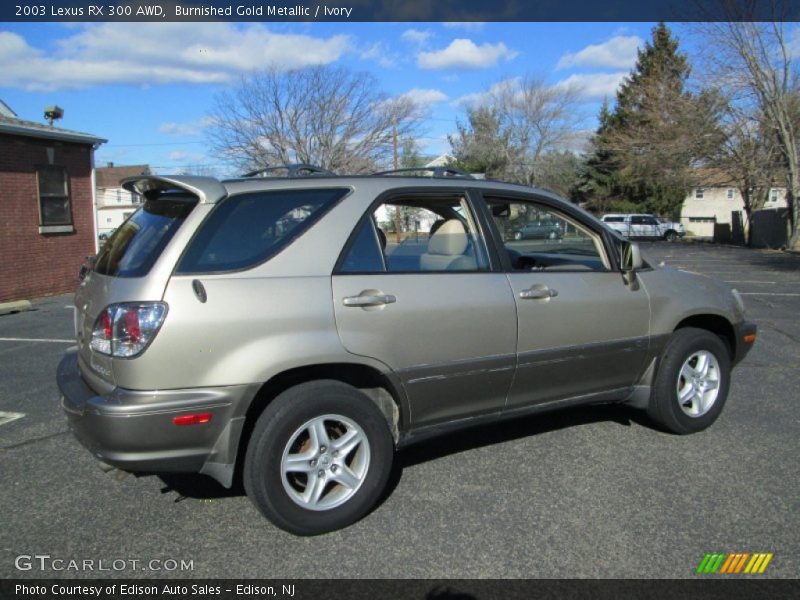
x,y
263,326
538,230
644,226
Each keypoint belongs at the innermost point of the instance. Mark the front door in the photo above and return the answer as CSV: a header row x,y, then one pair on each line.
x,y
582,330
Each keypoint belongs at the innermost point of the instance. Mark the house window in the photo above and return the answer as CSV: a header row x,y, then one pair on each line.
x,y
55,210
773,195
730,193
698,193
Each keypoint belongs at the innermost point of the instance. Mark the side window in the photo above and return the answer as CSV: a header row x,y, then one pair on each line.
x,y
366,252
247,229
418,234
650,221
637,220
537,237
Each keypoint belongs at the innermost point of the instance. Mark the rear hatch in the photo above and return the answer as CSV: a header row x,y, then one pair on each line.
x,y
136,263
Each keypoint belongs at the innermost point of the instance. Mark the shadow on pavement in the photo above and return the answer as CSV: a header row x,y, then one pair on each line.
x,y
201,487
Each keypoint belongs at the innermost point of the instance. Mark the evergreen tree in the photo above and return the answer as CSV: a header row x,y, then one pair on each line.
x,y
481,146
645,148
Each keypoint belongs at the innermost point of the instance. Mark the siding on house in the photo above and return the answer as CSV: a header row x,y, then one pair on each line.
x,y
115,204
704,207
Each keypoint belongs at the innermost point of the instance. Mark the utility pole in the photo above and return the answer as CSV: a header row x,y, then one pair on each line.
x,y
396,166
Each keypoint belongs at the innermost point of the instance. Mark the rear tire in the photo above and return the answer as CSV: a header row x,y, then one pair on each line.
x,y
692,382
319,458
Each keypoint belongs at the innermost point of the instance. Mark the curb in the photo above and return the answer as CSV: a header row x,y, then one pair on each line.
x,y
13,307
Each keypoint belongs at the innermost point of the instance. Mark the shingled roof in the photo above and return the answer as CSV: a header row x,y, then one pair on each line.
x,y
14,126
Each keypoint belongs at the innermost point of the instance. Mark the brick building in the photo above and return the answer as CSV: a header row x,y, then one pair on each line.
x,y
47,216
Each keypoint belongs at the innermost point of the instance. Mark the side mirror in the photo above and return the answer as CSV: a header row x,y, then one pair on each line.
x,y
631,258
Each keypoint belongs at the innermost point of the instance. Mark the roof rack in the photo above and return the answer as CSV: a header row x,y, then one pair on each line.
x,y
300,170
435,172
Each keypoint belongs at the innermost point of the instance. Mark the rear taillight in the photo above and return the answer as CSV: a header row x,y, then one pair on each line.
x,y
124,330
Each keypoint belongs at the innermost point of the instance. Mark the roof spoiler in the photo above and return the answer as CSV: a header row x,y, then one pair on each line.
x,y
207,189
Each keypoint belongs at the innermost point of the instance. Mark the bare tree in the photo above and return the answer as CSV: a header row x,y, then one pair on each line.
x,y
514,126
746,157
753,62
324,115
537,119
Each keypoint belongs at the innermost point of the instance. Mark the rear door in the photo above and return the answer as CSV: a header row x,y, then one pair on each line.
x,y
428,302
582,331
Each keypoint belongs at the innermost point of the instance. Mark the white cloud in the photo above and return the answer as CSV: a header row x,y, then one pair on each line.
x,y
425,97
596,85
416,36
191,129
178,155
380,54
495,89
157,53
617,53
465,54
465,25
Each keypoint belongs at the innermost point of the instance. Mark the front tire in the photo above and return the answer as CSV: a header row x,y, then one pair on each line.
x,y
671,236
692,382
319,458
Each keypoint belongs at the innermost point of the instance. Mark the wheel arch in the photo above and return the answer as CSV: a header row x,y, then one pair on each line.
x,y
716,324
381,388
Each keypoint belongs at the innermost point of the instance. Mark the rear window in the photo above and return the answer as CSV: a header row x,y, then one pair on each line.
x,y
247,229
139,241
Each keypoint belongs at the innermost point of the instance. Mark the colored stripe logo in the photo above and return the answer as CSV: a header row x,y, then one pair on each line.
x,y
722,563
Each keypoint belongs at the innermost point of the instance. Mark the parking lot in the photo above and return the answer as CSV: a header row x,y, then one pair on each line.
x,y
591,492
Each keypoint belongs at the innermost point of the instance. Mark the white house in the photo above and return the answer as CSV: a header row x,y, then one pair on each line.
x,y
115,204
704,207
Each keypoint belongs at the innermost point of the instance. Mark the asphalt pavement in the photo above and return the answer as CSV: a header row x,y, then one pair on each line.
x,y
591,492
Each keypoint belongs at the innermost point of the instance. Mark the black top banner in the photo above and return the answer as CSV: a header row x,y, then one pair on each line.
x,y
403,10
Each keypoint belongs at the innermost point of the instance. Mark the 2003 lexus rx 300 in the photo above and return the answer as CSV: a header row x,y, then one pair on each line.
x,y
283,328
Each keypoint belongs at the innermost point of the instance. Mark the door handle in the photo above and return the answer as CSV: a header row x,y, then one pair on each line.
x,y
538,293
370,300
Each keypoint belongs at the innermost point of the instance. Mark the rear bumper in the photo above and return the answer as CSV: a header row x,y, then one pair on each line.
x,y
745,332
134,430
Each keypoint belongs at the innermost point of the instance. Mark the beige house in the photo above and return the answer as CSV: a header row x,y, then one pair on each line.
x,y
705,207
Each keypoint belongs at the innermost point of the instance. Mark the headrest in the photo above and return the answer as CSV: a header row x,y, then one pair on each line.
x,y
450,239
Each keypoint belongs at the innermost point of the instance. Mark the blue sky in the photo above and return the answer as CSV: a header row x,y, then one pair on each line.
x,y
147,87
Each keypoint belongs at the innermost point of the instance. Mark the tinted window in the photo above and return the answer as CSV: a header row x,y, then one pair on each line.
x,y
246,229
365,255
614,219
136,245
